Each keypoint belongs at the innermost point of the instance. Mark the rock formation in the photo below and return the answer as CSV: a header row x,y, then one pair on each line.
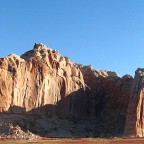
x,y
135,116
110,98
38,78
65,99
111,93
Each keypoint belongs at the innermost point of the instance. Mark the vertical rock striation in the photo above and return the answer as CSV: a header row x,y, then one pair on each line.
x,y
39,78
42,81
135,115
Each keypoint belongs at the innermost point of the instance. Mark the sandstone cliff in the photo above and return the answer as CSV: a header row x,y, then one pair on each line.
x,y
81,101
38,78
111,93
110,98
135,116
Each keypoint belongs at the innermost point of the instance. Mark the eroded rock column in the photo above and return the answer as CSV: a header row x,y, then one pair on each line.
x,y
135,115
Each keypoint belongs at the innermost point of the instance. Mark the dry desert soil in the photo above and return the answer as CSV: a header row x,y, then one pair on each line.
x,y
78,141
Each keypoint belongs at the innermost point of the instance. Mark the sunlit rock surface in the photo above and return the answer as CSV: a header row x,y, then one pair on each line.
x,y
135,116
55,97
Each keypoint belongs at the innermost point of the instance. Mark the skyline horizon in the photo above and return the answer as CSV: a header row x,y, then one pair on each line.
x,y
107,34
73,61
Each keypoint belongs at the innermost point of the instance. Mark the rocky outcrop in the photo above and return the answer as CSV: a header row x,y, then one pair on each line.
x,y
81,101
111,93
41,77
110,97
135,115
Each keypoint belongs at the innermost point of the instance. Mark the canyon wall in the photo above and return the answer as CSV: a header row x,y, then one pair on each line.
x,y
39,78
42,81
110,98
135,115
111,93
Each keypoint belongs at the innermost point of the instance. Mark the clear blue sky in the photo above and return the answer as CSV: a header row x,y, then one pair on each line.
x,y
108,34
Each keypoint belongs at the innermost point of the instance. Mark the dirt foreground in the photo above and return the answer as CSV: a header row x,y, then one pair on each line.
x,y
77,141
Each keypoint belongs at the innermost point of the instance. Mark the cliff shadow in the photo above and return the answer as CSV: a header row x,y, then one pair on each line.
x,y
72,116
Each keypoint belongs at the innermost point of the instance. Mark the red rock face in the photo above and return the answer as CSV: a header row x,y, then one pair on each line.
x,y
111,92
43,81
110,97
135,115
38,78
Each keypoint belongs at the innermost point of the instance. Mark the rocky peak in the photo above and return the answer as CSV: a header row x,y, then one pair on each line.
x,y
140,72
103,73
51,57
13,57
41,48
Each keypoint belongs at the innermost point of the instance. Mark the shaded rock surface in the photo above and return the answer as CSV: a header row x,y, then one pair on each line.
x,y
9,128
57,98
110,92
110,98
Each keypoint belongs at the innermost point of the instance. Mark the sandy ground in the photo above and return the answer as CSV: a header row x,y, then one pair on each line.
x,y
77,141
